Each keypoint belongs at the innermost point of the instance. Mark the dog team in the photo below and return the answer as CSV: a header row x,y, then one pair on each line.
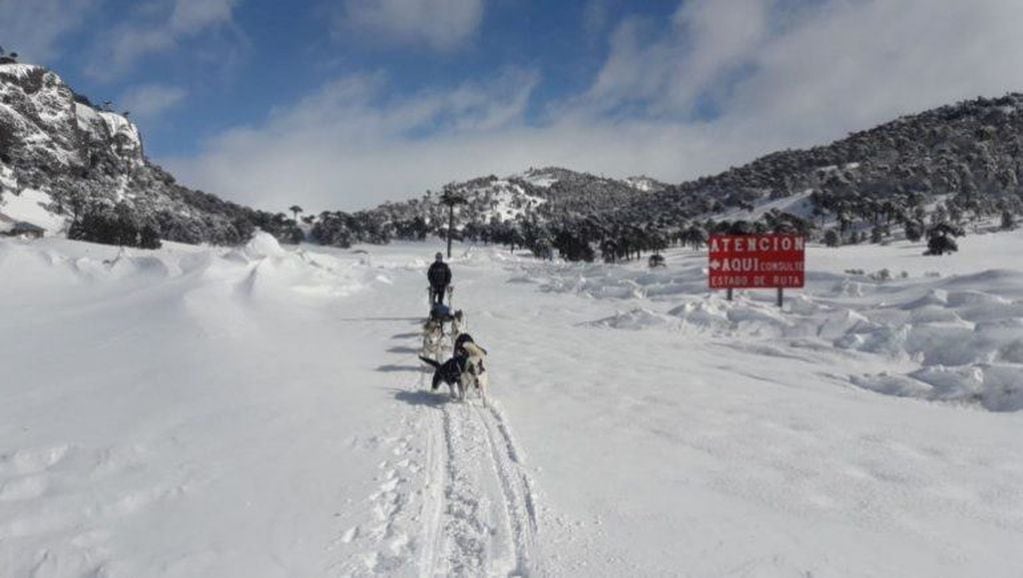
x,y
464,371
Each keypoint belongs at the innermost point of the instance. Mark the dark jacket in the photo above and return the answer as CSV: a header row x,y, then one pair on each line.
x,y
439,274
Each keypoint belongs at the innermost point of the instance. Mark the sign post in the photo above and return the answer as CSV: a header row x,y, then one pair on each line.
x,y
757,262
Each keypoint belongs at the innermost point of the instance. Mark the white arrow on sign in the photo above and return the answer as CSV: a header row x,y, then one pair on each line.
x,y
715,264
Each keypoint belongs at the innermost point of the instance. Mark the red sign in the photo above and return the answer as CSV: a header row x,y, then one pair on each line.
x,y
756,261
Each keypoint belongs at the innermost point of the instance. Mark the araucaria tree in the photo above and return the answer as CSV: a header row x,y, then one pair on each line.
x,y
940,239
1008,221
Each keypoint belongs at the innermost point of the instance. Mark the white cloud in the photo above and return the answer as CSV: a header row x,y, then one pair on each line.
x,y
32,27
159,27
809,73
705,42
852,64
442,25
779,77
150,100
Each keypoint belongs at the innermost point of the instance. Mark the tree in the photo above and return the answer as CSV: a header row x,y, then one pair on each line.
x,y
694,236
1008,221
8,57
149,238
573,247
831,238
876,235
940,239
609,250
940,244
118,225
295,210
914,230
451,197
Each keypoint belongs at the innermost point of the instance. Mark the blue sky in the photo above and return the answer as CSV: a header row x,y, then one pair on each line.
x,y
234,65
346,103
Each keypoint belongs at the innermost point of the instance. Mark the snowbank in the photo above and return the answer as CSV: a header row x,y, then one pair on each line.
x,y
963,332
31,206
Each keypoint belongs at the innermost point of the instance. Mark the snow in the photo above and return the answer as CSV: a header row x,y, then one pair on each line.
x,y
89,120
506,193
798,205
8,183
260,411
33,135
121,125
503,196
538,178
30,206
545,178
18,70
644,184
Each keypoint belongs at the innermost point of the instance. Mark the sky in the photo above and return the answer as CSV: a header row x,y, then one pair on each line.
x,y
344,104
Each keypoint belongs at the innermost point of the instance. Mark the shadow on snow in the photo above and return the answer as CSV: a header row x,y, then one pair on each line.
x,y
391,368
403,349
422,397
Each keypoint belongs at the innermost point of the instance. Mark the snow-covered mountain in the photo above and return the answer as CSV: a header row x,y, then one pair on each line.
x,y
493,209
961,164
547,191
77,162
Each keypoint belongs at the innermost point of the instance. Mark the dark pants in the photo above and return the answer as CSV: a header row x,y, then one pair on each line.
x,y
436,295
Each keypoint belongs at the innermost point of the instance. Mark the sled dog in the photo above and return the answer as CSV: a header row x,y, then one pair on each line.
x,y
462,372
433,338
457,323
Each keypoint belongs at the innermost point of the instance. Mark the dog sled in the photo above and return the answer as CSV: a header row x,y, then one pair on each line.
x,y
445,330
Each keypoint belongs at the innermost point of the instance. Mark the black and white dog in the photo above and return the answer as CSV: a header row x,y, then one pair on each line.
x,y
463,371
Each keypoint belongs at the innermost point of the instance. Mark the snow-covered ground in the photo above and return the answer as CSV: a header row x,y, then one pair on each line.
x,y
260,412
30,206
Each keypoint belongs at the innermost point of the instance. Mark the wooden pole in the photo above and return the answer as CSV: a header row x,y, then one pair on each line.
x,y
729,293
781,293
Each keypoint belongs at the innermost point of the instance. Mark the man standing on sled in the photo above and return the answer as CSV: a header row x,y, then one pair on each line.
x,y
439,276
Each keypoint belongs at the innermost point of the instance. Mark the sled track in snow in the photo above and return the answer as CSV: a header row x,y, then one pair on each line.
x,y
479,510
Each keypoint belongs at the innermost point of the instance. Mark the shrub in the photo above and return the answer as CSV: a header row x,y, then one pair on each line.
x,y
941,244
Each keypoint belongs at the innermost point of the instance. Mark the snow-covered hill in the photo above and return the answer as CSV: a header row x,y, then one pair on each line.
x,y
65,157
260,412
968,152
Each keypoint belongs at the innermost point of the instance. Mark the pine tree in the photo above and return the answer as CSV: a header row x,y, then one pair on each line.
x,y
914,230
1008,220
876,235
940,239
